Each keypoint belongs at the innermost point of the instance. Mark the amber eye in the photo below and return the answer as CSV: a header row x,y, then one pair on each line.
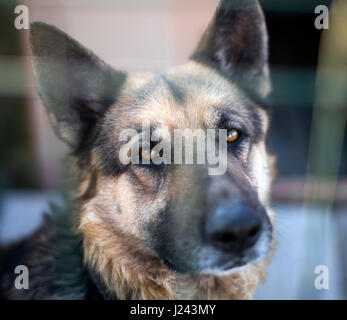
x,y
148,154
233,135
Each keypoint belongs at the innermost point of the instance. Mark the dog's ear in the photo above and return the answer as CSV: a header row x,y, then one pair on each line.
x,y
236,43
76,86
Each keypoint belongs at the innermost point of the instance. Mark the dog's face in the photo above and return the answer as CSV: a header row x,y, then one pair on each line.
x,y
192,221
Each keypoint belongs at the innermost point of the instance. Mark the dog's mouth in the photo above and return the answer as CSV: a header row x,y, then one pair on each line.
x,y
226,266
219,266
234,264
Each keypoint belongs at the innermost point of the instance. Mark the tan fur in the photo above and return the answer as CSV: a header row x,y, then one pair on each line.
x,y
131,271
109,223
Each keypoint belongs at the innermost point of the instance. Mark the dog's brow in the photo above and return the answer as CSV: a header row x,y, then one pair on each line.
x,y
151,127
250,120
228,117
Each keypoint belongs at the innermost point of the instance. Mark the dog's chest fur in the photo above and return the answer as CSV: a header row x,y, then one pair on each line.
x,y
59,273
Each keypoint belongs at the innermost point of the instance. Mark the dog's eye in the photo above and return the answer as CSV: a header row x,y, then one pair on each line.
x,y
233,135
147,154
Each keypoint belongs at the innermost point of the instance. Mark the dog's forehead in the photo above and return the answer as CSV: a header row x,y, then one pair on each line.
x,y
189,96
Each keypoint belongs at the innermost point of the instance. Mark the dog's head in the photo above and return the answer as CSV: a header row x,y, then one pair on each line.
x,y
192,221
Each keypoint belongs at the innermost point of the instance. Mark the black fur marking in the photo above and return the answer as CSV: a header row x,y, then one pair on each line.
x,y
257,123
37,253
162,232
97,289
108,148
175,90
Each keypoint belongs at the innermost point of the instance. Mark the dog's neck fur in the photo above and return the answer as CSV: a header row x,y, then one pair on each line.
x,y
130,271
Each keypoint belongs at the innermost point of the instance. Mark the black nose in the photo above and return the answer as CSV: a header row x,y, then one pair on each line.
x,y
233,229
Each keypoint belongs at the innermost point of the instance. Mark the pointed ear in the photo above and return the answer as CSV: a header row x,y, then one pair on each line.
x,y
76,87
236,43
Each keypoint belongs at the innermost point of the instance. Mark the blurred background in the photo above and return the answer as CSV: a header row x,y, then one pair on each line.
x,y
308,119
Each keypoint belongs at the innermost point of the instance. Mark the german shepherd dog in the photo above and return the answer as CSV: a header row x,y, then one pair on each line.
x,y
139,231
